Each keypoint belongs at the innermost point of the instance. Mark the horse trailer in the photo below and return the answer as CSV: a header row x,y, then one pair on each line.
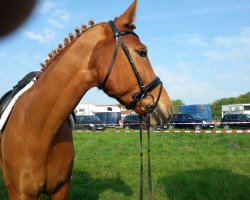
x,y
235,109
202,110
110,115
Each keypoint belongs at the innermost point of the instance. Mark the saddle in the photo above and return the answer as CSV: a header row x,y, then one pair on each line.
x,y
8,96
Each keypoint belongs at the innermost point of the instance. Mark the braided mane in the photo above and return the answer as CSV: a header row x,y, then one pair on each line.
x,y
67,41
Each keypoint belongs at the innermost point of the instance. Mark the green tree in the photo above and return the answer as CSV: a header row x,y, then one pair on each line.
x,y
176,104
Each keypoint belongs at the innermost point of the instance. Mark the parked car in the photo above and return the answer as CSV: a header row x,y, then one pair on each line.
x,y
189,121
235,121
89,122
131,121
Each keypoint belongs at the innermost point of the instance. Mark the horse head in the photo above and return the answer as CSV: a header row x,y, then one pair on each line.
x,y
126,74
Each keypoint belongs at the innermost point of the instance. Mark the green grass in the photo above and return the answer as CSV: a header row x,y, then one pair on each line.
x,y
184,166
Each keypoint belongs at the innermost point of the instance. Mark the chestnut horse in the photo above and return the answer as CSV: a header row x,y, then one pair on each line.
x,y
37,150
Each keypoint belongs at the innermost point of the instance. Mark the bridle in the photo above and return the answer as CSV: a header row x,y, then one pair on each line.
x,y
144,90
137,97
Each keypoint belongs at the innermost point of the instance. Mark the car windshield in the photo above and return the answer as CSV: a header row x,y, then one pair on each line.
x,y
248,116
87,119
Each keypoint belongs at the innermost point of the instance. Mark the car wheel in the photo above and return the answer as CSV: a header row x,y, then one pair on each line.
x,y
226,127
171,126
197,127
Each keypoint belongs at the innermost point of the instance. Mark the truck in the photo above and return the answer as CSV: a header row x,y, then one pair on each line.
x,y
197,117
202,110
235,109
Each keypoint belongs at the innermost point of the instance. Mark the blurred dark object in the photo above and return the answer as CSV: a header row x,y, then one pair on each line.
x,y
13,13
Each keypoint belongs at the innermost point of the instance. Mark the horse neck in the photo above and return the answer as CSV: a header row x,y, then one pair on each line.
x,y
62,85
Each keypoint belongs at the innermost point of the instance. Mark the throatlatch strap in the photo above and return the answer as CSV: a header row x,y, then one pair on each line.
x,y
111,64
119,35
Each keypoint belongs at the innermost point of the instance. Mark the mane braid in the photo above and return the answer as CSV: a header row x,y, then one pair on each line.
x,y
53,55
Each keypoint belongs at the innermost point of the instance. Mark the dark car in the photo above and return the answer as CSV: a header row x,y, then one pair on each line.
x,y
89,122
189,121
131,121
235,121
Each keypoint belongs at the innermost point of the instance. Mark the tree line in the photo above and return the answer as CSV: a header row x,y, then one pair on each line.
x,y
216,105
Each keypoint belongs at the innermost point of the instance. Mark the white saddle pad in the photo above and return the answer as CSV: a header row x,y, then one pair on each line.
x,y
9,108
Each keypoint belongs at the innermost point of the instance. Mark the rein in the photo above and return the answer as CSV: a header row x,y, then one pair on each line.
x,y
149,160
137,97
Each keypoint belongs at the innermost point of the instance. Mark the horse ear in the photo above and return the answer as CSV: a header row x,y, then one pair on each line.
x,y
128,17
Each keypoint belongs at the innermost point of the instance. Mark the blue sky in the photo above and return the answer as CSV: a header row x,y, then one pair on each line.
x,y
200,49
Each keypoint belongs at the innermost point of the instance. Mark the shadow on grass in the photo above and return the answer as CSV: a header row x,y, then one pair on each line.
x,y
213,184
83,186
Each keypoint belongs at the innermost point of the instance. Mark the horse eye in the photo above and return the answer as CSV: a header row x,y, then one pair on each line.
x,y
142,53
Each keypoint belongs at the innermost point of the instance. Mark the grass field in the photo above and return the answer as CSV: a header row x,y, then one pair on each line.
x,y
184,166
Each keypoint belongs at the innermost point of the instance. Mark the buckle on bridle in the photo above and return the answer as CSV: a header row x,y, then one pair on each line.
x,y
150,107
139,96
